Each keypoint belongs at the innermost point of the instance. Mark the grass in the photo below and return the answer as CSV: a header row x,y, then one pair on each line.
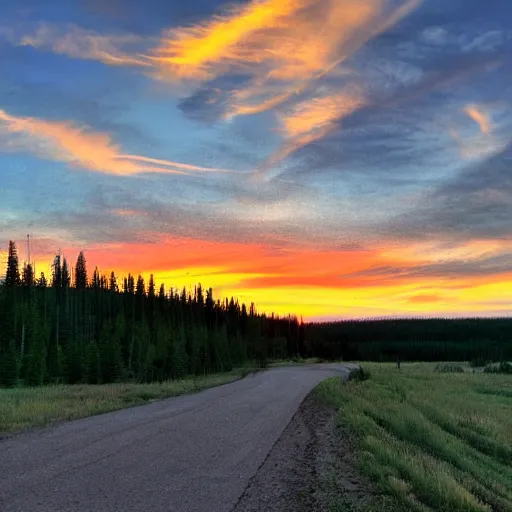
x,y
431,441
23,408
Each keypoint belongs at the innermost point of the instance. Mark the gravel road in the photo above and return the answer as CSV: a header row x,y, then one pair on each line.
x,y
194,453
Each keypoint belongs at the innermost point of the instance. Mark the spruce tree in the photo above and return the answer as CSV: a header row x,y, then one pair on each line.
x,y
12,275
56,272
27,278
96,280
81,272
151,287
112,284
42,282
65,276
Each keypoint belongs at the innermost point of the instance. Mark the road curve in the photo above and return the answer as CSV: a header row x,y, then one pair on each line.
x,y
193,453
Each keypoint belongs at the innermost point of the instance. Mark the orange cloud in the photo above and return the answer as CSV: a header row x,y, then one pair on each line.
x,y
79,43
314,283
282,44
319,113
310,282
480,117
425,298
312,119
95,151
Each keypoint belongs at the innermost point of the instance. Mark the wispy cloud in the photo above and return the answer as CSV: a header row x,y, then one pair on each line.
x,y
281,45
485,143
281,48
312,119
79,43
480,117
80,147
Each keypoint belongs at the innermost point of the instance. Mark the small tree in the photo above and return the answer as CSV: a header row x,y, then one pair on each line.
x,y
27,278
81,272
113,282
12,275
65,276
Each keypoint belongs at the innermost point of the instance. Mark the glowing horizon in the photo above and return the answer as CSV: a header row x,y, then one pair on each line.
x,y
323,158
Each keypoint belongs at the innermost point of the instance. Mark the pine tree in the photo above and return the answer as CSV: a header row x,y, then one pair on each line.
x,y
113,282
96,280
35,374
9,366
141,287
12,275
42,282
151,287
81,272
56,272
65,276
27,279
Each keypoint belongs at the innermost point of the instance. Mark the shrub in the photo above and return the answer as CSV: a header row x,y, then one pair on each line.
x,y
358,374
503,367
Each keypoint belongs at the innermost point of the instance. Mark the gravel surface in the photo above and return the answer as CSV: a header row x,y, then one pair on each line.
x,y
194,453
290,479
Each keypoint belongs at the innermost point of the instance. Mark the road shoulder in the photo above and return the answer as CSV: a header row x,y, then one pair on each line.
x,y
311,467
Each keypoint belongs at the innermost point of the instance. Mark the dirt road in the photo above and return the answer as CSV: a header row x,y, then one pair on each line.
x,y
193,453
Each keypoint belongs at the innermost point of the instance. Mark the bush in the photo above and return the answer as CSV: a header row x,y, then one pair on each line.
x,y
503,367
358,375
448,368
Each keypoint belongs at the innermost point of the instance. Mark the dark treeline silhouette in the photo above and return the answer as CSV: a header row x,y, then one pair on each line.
x,y
74,328
471,339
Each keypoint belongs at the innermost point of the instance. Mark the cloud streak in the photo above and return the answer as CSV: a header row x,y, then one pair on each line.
x,y
81,147
313,119
79,43
283,46
278,48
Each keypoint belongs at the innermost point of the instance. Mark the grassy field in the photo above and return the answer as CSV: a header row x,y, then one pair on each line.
x,y
22,408
431,441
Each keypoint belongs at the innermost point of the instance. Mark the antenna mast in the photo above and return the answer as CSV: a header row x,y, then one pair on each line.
x,y
28,248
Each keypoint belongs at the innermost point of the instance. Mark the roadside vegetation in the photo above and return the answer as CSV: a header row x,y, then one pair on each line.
x,y
430,440
23,408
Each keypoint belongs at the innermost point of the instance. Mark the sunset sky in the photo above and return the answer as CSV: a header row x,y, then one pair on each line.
x,y
328,158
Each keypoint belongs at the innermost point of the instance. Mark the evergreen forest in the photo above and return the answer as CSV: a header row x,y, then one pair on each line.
x,y
72,327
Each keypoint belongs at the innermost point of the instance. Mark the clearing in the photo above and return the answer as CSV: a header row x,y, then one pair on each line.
x,y
427,441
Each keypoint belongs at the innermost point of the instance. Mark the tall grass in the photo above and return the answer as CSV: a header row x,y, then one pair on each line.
x,y
22,408
435,441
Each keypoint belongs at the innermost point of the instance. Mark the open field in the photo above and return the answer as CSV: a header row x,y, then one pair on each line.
x,y
22,408
431,441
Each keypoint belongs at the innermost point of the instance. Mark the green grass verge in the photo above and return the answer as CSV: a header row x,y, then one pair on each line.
x,y
23,408
432,441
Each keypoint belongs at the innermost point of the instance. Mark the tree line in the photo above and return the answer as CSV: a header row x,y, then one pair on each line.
x,y
72,327
436,339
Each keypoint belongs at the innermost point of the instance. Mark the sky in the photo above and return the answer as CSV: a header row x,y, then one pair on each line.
x,y
325,158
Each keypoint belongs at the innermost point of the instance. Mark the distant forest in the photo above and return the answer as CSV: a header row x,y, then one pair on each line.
x,y
94,329
477,340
